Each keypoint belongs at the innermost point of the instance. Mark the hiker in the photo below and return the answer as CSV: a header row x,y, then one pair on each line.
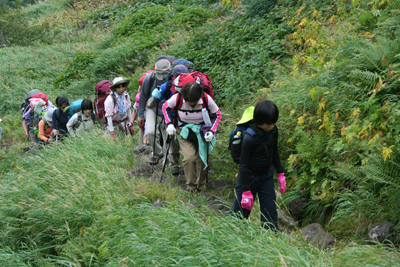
x,y
194,137
60,117
165,93
82,121
153,115
28,114
143,143
258,161
45,135
117,107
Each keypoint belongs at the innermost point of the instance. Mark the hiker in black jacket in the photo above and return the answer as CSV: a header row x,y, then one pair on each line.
x,y
258,162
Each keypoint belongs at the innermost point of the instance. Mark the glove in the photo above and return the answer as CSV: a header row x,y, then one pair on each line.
x,y
209,136
171,129
112,135
247,200
156,93
130,127
282,183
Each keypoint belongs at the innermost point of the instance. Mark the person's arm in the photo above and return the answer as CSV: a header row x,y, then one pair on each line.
x,y
214,110
245,159
144,95
71,124
276,160
171,103
25,127
133,116
42,135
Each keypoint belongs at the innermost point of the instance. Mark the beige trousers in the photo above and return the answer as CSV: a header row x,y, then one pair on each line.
x,y
192,165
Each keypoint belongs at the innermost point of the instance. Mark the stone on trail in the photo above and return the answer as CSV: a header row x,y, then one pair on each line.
x,y
285,220
317,236
382,233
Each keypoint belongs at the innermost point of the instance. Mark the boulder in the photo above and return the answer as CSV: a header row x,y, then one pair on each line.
x,y
285,220
217,184
317,236
297,208
382,233
160,203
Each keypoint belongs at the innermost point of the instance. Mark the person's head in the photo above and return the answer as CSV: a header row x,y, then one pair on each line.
x,y
120,85
162,68
178,69
191,92
266,114
87,107
62,102
49,115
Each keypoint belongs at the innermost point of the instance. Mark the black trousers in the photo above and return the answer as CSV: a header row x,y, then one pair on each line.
x,y
262,185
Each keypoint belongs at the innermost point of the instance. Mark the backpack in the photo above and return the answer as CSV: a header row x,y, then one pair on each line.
x,y
102,90
182,61
74,107
25,105
200,78
39,113
235,141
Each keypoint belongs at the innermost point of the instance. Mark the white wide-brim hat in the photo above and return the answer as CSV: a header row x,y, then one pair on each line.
x,y
119,80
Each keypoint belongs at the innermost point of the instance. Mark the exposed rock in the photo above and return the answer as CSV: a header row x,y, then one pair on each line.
x,y
297,208
382,233
217,184
160,203
141,148
285,220
192,204
317,236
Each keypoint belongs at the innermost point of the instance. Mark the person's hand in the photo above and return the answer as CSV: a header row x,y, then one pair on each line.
x,y
112,135
141,122
130,127
209,136
156,93
171,129
247,200
26,135
50,139
282,183
55,132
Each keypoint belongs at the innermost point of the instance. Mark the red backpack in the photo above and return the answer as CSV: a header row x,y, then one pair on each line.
x,y
200,78
102,90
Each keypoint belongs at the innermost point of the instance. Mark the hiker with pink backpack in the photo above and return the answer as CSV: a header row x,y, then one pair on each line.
x,y
117,107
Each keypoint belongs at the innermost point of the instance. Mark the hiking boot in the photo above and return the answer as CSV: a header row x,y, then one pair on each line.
x,y
176,171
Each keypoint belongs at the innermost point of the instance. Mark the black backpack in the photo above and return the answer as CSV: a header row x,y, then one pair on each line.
x,y
235,141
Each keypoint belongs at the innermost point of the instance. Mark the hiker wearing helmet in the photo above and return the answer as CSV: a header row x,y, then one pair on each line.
x,y
195,138
60,117
151,112
258,161
45,127
165,93
117,106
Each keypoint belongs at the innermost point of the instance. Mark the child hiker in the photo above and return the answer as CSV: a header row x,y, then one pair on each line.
x,y
258,161
83,120
187,106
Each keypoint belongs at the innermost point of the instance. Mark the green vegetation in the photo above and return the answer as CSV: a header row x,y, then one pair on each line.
x,y
332,67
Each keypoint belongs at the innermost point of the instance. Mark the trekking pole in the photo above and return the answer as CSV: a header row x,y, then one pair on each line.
x,y
155,136
208,167
169,140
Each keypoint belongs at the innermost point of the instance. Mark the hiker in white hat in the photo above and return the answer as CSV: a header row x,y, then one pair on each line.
x,y
117,107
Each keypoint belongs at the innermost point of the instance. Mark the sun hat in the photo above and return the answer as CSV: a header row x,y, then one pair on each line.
x,y
49,114
162,67
247,115
119,80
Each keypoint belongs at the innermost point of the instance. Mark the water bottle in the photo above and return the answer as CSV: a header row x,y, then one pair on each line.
x,y
206,117
236,138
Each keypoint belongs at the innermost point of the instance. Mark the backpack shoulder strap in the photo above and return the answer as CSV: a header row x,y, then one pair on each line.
x,y
93,117
79,116
114,98
204,96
